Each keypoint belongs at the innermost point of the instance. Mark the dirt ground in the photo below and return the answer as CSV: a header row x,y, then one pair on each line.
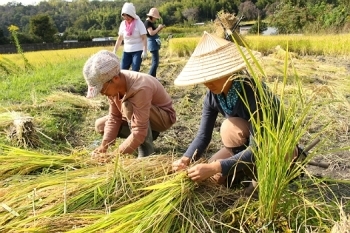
x,y
339,161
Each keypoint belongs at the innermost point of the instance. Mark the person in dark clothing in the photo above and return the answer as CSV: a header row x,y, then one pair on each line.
x,y
219,65
153,40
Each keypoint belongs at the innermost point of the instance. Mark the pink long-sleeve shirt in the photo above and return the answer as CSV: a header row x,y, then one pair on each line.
x,y
142,91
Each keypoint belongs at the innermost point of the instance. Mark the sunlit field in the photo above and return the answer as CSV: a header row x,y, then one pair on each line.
x,y
328,45
50,183
44,58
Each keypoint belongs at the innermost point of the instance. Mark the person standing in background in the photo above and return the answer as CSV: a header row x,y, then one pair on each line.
x,y
133,32
153,40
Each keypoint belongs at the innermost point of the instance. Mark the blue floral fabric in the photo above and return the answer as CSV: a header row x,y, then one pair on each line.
x,y
229,103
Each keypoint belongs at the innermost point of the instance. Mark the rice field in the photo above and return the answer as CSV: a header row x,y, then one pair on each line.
x,y
56,187
325,45
49,57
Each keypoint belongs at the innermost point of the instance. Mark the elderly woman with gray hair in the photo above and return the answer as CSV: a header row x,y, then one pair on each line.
x,y
139,106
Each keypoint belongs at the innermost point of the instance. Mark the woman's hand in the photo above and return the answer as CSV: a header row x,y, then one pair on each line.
x,y
100,149
160,27
181,164
203,171
144,54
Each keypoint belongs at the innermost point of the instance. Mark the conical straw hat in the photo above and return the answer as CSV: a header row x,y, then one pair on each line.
x,y
213,58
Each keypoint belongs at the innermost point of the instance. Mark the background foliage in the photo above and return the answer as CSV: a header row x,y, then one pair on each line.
x,y
84,20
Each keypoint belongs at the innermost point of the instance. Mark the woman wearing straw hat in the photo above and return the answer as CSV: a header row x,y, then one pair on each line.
x,y
153,41
133,32
219,65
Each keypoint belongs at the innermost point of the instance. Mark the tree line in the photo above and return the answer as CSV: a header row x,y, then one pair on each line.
x,y
58,20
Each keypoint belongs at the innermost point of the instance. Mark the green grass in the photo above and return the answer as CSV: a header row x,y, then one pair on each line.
x,y
35,85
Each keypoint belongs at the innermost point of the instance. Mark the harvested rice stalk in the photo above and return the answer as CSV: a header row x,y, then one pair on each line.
x,y
75,100
99,188
66,222
7,118
227,19
122,185
23,133
21,162
49,193
152,213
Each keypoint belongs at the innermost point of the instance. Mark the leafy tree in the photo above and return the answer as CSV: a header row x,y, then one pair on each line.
x,y
84,22
25,38
42,26
3,39
270,9
323,16
258,27
346,4
262,4
289,19
191,14
249,10
171,13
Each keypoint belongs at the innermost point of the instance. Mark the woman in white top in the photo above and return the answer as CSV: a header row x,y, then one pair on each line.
x,y
133,32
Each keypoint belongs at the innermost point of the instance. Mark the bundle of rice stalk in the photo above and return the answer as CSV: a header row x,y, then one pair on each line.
x,y
72,99
23,133
120,186
152,213
15,161
104,187
34,200
7,118
149,168
20,128
228,20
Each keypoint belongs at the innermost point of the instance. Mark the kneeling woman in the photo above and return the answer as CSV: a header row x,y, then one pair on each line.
x,y
219,65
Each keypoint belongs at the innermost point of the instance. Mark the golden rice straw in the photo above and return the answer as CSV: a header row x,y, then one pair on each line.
x,y
15,161
75,100
152,213
109,187
7,118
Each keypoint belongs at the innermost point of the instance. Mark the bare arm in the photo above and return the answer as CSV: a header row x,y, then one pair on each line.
x,y
118,43
155,31
111,128
144,41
